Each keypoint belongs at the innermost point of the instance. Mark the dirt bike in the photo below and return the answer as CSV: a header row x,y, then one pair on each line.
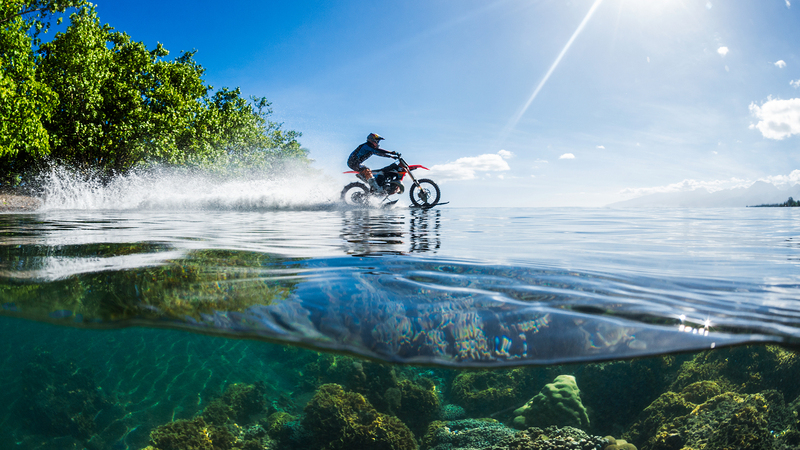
x,y
424,193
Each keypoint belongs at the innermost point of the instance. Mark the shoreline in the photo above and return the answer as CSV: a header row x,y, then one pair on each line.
x,y
11,201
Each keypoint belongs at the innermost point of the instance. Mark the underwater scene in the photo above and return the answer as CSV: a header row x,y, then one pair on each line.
x,y
264,327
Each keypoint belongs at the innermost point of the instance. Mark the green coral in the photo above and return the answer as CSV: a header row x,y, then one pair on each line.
x,y
728,420
182,435
558,403
346,420
237,404
419,405
496,390
747,369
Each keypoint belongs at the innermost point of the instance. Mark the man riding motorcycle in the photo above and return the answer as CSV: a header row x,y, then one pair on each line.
x,y
364,151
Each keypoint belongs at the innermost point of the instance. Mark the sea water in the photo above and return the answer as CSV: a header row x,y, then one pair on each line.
x,y
158,309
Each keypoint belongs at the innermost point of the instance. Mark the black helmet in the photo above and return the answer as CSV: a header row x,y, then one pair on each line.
x,y
374,138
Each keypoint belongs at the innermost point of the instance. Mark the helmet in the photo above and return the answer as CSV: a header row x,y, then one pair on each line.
x,y
374,138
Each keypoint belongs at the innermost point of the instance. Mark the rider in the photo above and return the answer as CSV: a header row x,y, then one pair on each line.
x,y
364,151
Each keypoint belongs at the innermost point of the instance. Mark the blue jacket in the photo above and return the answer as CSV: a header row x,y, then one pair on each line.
x,y
361,153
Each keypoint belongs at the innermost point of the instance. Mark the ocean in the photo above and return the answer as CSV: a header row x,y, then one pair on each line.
x,y
253,325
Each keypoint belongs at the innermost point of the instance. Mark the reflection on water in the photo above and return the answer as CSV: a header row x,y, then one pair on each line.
x,y
372,233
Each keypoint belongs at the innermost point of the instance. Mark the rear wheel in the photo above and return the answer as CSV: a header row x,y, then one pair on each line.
x,y
424,194
355,194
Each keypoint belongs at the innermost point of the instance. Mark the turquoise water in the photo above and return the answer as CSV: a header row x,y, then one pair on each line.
x,y
155,311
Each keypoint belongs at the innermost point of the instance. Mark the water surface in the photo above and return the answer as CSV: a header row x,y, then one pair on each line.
x,y
449,286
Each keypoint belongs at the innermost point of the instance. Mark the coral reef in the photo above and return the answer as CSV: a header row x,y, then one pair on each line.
x,y
452,412
558,403
419,405
551,438
486,392
182,435
615,392
701,416
747,369
218,427
61,399
346,420
237,404
469,433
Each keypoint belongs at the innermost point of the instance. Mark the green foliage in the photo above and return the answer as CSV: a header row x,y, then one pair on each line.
x,y
98,101
25,101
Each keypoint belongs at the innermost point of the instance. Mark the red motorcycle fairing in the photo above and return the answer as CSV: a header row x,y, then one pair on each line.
x,y
411,167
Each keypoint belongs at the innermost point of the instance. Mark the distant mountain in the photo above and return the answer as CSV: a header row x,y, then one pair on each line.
x,y
760,193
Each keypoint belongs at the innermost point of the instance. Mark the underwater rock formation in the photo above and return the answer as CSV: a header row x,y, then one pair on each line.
x,y
558,403
339,420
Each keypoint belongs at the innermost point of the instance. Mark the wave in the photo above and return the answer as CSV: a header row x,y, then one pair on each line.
x,y
166,189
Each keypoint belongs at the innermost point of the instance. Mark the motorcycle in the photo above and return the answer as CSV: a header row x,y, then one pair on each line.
x,y
424,193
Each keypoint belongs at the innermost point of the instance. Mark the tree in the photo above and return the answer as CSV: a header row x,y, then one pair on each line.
x,y
98,101
25,101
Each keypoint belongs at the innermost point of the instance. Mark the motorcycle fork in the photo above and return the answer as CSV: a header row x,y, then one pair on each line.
x,y
416,183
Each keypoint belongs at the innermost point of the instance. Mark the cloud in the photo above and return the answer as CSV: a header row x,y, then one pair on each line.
x,y
688,185
780,64
505,154
567,156
722,51
784,180
778,119
709,5
781,181
788,4
795,83
466,168
602,147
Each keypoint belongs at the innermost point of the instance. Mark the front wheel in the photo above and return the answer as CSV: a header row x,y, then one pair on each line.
x,y
424,194
355,194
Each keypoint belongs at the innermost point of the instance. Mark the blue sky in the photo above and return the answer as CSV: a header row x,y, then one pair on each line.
x,y
634,96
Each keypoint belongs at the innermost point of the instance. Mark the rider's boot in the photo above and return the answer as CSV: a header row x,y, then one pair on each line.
x,y
374,186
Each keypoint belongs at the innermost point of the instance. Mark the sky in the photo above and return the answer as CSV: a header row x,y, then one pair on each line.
x,y
513,102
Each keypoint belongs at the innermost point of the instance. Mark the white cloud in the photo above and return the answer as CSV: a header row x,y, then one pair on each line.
x,y
708,5
795,83
723,51
788,4
467,167
781,181
648,59
688,185
778,119
567,156
784,180
602,147
780,64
